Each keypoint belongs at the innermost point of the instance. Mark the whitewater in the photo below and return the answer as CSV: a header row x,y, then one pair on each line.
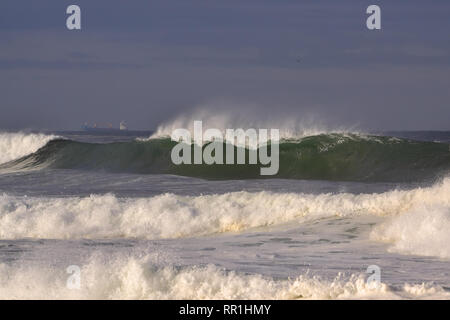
x,y
14,145
150,234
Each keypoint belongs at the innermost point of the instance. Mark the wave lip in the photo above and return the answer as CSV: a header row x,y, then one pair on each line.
x,y
16,145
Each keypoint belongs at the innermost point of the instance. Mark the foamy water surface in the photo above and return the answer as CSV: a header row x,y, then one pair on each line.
x,y
166,237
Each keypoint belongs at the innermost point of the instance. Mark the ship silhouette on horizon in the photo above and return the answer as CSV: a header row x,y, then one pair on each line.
x,y
108,129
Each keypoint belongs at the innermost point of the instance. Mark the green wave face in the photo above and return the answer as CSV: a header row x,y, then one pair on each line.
x,y
323,157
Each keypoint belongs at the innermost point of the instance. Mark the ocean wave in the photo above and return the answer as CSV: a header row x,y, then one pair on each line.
x,y
17,145
424,231
344,157
141,278
175,216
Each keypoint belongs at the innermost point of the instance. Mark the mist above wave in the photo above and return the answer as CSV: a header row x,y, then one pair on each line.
x,y
290,127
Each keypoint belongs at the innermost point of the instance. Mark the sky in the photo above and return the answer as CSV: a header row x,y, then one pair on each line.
x,y
147,62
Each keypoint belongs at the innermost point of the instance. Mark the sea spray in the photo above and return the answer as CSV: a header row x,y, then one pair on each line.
x,y
17,145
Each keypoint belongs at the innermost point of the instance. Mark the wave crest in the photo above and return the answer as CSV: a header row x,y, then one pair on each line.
x,y
16,145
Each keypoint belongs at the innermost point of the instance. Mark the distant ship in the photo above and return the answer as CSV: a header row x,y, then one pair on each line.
x,y
123,126
108,129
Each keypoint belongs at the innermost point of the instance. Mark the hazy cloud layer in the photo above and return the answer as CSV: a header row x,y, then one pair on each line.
x,y
148,61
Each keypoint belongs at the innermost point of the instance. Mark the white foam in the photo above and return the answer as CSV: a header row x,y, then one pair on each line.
x,y
174,216
140,278
16,145
422,231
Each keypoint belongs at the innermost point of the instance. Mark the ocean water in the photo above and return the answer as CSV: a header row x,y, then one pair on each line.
x,y
138,227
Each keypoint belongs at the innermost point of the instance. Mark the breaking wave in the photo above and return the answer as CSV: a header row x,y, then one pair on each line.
x,y
17,145
175,216
141,278
423,231
345,157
